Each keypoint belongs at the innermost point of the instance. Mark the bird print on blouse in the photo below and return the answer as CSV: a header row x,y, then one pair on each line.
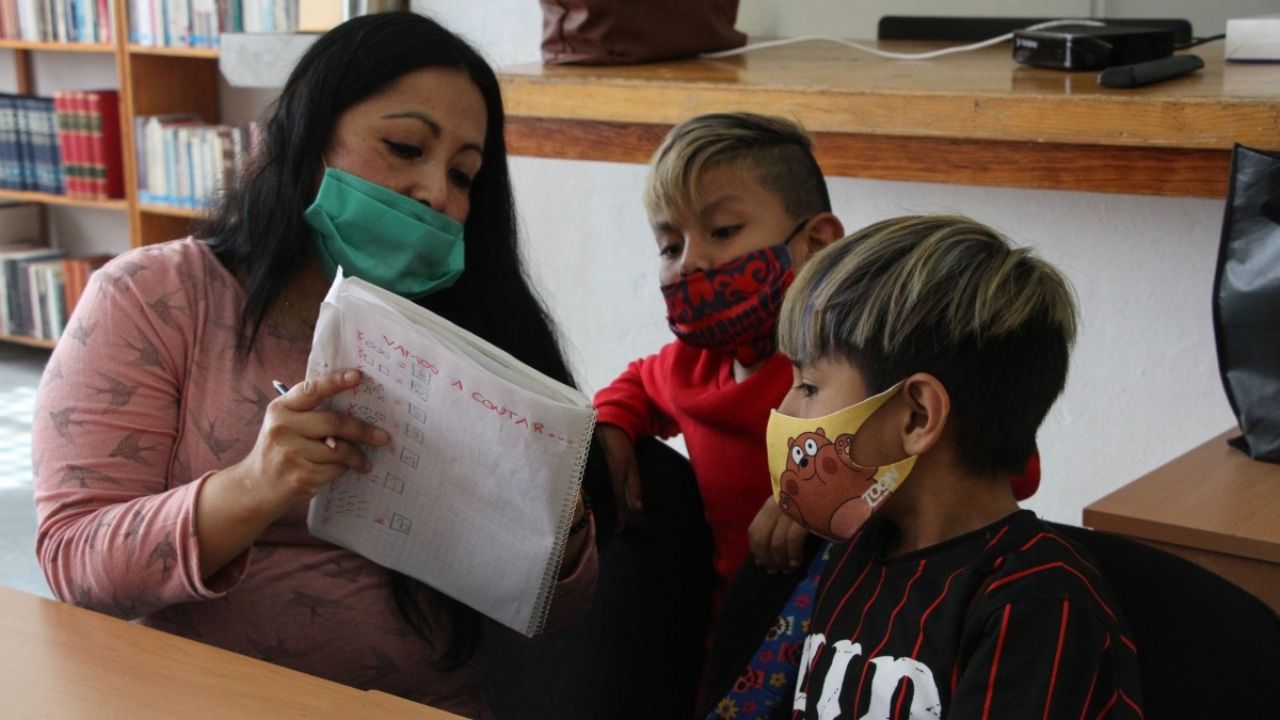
x,y
314,604
131,448
145,353
382,666
163,310
83,331
118,393
63,423
278,650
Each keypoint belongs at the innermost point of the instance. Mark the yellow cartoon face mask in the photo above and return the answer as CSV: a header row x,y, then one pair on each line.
x,y
815,480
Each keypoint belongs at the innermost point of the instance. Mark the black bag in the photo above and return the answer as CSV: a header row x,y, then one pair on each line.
x,y
1246,301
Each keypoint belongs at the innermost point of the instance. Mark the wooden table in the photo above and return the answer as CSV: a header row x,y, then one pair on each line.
x,y
1213,506
60,661
974,118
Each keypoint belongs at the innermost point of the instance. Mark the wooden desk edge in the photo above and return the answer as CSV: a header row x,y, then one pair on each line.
x,y
328,699
1168,172
1102,514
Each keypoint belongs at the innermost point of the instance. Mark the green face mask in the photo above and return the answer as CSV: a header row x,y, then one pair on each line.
x,y
383,237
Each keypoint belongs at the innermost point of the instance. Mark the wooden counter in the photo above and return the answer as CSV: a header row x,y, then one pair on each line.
x,y
974,118
60,661
1214,506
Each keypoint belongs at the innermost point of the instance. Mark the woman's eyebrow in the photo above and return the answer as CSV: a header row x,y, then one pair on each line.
x,y
431,124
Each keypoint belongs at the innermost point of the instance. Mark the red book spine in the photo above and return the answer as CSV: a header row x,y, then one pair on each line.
x,y
111,167
80,140
61,109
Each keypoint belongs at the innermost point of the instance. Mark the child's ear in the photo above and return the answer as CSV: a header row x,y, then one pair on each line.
x,y
822,230
930,407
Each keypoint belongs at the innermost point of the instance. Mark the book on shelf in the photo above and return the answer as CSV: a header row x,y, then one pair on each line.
x,y
186,163
76,272
475,493
200,24
10,160
16,316
88,124
39,285
44,312
68,21
104,127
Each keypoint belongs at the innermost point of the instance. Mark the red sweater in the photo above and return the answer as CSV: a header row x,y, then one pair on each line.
x,y
685,390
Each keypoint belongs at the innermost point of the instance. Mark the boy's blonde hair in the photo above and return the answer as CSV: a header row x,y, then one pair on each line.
x,y
951,297
776,149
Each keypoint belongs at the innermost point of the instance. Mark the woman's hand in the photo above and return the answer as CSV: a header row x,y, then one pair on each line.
x,y
776,541
624,471
299,450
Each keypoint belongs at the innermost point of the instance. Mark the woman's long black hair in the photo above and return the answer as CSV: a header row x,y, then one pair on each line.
x,y
259,229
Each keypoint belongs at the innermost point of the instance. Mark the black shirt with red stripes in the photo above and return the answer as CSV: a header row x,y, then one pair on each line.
x,y
1009,621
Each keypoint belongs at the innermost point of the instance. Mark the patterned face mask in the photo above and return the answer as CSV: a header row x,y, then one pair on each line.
x,y
815,479
733,308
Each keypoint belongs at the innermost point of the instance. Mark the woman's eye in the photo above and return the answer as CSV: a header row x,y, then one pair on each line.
x,y
461,179
404,150
728,231
806,390
669,250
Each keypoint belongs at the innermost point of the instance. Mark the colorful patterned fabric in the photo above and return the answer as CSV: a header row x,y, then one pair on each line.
x,y
732,308
765,688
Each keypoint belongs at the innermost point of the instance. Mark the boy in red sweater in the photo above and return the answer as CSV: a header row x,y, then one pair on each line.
x,y
737,203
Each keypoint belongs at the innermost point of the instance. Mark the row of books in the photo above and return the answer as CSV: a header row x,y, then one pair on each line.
x,y
198,23
29,156
68,144
39,285
71,21
187,163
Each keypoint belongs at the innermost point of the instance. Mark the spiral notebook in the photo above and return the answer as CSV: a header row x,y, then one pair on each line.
x,y
474,495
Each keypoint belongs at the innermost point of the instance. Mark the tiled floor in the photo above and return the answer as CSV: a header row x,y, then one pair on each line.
x,y
20,370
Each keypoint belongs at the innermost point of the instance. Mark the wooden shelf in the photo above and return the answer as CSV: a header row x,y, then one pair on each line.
x,y
173,211
187,52
974,118
51,199
56,46
28,341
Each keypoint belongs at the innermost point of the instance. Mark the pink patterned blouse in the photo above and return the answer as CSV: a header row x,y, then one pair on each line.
x,y
141,401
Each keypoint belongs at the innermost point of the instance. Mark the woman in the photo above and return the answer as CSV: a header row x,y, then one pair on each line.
x,y
172,484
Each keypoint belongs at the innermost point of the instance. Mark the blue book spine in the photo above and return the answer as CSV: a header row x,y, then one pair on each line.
x,y
26,163
41,146
9,172
50,157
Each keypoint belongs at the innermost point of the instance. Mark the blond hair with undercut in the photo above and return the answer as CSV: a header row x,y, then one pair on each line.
x,y
777,150
951,297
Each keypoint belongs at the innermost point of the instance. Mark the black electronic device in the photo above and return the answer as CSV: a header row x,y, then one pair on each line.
x,y
972,29
1087,47
1149,72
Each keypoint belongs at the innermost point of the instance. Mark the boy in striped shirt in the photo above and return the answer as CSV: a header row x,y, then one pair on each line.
x,y
926,353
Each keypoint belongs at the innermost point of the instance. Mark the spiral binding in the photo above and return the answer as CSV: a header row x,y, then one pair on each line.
x,y
542,605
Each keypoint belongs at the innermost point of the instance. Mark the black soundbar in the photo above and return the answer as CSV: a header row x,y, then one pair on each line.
x,y
971,29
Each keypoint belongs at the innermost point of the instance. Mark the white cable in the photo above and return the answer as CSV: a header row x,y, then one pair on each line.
x,y
897,55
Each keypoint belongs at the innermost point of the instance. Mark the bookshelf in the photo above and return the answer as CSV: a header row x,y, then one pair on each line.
x,y
151,81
